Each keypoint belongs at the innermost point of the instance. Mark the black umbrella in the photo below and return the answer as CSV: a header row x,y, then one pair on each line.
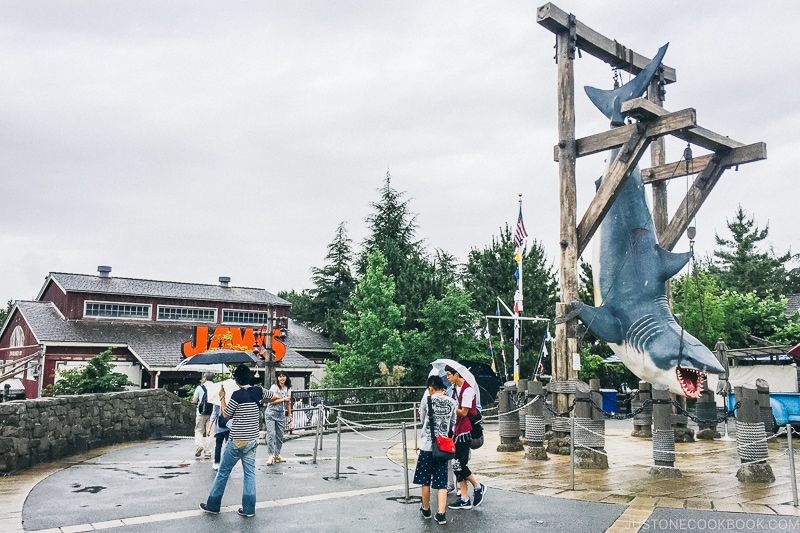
x,y
225,356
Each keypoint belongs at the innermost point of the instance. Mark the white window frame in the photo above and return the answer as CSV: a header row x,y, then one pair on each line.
x,y
148,306
230,323
159,307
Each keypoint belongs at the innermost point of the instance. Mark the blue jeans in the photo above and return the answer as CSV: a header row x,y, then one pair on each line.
x,y
232,454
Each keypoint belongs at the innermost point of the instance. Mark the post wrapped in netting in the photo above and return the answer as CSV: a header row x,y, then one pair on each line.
x,y
764,408
508,422
522,393
751,439
589,434
535,422
663,434
706,411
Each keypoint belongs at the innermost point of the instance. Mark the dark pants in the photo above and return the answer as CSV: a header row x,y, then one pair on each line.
x,y
460,467
221,437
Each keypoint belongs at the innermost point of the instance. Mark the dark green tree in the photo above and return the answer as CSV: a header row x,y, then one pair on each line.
x,y
96,376
5,312
450,328
373,329
302,307
740,266
489,273
392,231
333,285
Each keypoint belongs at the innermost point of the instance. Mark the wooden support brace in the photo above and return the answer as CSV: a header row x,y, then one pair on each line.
x,y
736,156
627,158
669,123
642,109
557,21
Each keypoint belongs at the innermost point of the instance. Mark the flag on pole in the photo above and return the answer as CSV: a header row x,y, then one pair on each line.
x,y
547,336
520,233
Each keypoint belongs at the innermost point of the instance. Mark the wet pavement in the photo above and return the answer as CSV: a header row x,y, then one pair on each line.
x,y
157,486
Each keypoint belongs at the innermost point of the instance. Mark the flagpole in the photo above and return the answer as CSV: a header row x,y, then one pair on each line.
x,y
519,238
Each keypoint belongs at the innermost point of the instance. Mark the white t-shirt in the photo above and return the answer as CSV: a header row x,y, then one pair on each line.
x,y
467,397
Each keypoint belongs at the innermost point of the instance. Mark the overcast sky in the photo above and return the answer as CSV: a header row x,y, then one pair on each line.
x,y
185,141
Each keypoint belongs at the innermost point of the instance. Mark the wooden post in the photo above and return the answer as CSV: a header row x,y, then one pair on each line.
x,y
658,158
535,425
565,343
751,439
587,429
663,435
508,424
643,422
764,408
706,410
522,399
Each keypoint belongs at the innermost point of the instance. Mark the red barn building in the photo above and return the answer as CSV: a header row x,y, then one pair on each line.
x,y
145,323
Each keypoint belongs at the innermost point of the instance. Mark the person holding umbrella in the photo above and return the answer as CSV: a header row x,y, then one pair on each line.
x,y
243,410
466,398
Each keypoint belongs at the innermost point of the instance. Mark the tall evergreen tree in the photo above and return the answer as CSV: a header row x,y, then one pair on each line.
x,y
333,285
740,266
392,231
373,330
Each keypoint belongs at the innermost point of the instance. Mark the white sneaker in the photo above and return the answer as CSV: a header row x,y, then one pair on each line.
x,y
215,466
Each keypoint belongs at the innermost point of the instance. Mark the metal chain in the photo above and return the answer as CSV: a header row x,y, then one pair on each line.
x,y
697,420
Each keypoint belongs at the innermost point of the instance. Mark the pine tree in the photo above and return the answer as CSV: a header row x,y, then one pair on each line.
x,y
741,267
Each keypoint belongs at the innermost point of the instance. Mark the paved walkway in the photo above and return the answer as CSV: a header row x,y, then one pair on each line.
x,y
157,485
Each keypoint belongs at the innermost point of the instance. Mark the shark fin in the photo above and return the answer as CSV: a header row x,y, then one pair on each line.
x,y
609,101
671,263
600,321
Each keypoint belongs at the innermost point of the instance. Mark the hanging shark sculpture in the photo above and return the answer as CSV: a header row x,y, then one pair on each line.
x,y
630,273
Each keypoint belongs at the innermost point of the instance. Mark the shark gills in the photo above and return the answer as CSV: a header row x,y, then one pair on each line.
x,y
630,275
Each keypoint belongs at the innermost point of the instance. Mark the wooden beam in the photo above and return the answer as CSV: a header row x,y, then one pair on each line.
x,y
736,156
557,21
669,123
613,182
642,109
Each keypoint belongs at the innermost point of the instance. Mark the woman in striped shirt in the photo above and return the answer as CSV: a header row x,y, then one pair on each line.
x,y
243,410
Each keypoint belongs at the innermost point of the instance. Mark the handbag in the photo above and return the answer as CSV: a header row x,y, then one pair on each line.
x,y
442,448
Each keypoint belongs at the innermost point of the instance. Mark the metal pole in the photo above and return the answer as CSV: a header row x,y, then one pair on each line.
x,y
338,443
405,462
572,453
414,415
791,463
322,424
316,437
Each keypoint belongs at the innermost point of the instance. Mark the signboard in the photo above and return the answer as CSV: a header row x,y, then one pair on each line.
x,y
242,339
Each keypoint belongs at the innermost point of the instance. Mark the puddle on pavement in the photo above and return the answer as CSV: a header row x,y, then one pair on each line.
x,y
93,489
169,467
333,478
404,501
302,455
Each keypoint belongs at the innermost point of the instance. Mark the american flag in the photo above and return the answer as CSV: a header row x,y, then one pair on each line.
x,y
520,233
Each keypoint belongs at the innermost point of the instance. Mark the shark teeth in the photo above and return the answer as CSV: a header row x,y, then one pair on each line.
x,y
690,380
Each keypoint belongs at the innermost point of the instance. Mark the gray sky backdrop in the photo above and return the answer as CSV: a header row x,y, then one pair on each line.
x,y
188,140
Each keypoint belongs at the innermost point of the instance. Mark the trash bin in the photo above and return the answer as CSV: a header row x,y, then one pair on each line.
x,y
609,400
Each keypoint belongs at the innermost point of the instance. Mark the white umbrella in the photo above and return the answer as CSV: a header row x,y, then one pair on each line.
x,y
463,372
214,388
218,368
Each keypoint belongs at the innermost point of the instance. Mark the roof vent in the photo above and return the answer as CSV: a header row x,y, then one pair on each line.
x,y
104,271
224,280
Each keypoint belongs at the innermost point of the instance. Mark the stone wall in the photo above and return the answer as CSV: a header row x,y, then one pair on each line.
x,y
37,431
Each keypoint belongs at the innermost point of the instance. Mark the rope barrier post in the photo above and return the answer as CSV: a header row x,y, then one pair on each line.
x,y
509,424
764,408
522,399
534,423
680,422
405,463
663,434
338,443
316,437
706,410
586,433
751,439
791,463
572,454
642,421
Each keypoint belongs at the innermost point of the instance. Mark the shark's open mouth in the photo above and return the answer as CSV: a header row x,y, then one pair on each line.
x,y
691,381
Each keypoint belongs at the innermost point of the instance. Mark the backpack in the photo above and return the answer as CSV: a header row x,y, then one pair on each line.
x,y
204,407
476,433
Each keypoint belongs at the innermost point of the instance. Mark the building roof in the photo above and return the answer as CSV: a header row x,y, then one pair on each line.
x,y
156,345
793,306
160,289
307,339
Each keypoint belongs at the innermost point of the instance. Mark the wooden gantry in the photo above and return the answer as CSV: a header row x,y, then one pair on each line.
x,y
652,123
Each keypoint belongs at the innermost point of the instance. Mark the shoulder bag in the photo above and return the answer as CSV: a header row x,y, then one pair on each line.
x,y
442,448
